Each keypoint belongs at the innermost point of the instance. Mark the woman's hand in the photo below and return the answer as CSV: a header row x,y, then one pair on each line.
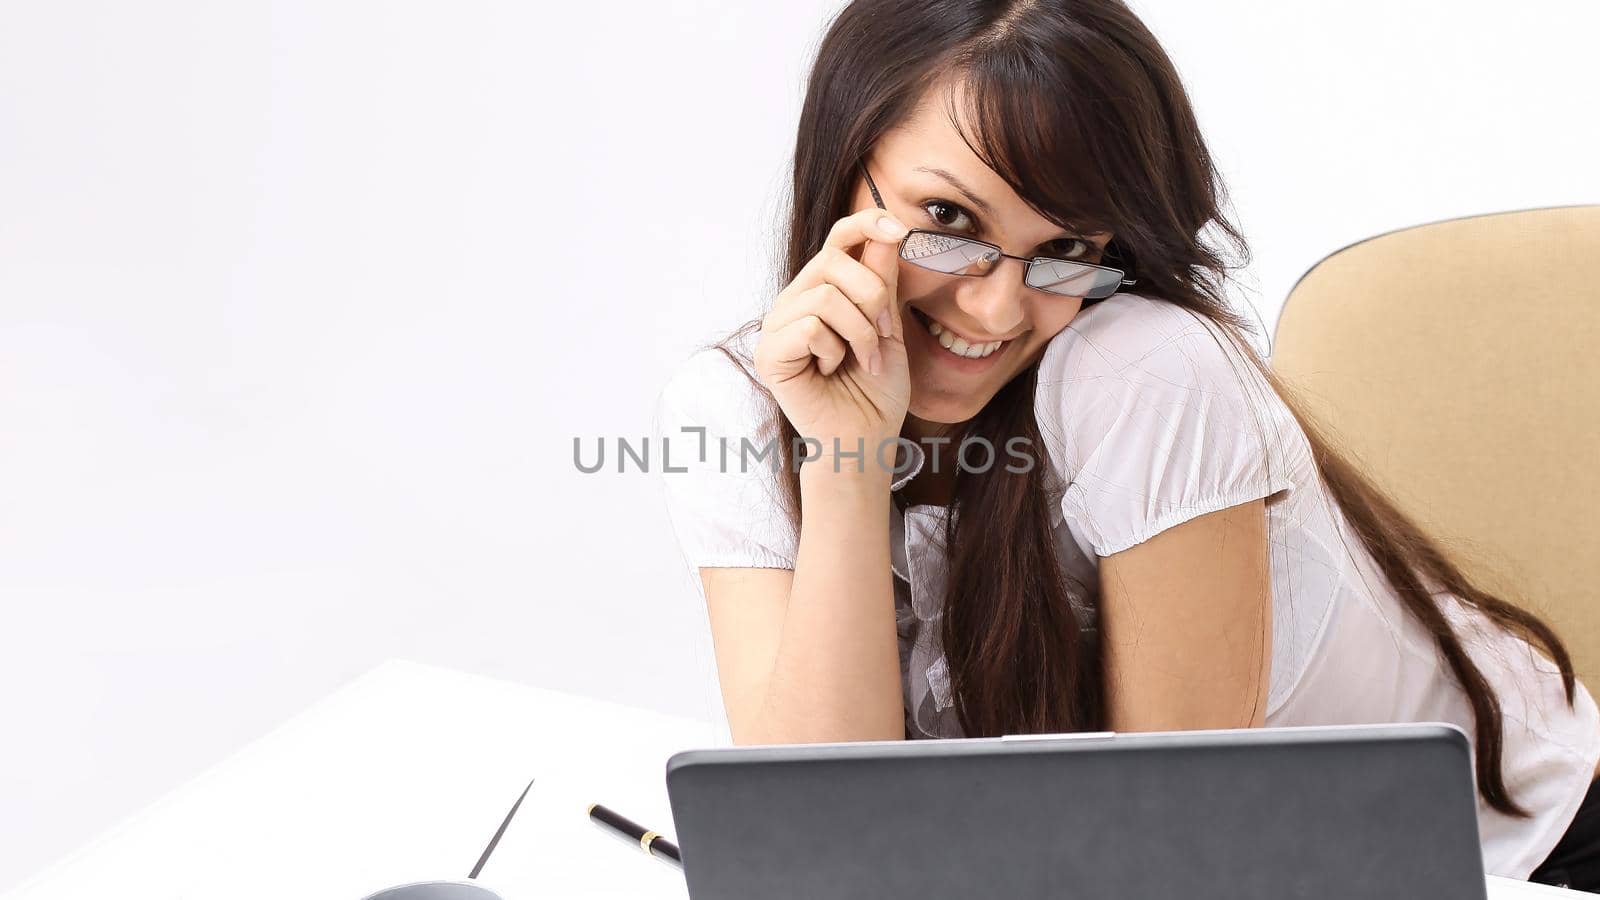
x,y
821,352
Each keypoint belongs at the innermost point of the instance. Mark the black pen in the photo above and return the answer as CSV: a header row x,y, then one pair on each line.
x,y
636,834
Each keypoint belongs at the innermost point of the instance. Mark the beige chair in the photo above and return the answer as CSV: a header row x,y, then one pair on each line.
x,y
1459,362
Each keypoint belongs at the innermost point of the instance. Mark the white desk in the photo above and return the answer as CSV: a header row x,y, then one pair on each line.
x,y
403,775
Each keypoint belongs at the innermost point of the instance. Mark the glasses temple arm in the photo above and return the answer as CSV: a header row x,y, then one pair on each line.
x,y
872,187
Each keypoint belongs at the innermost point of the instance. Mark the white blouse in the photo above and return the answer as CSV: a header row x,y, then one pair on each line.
x,y
1151,417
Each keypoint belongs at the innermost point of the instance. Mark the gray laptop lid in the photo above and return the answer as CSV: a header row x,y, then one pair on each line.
x,y
1321,813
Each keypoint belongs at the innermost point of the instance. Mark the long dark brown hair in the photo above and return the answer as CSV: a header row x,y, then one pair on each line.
x,y
1077,107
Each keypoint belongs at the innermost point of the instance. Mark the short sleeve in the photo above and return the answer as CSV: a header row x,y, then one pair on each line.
x,y
720,468
1151,416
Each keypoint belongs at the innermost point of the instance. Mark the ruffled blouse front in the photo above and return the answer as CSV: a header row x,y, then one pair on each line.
x,y
918,555
919,614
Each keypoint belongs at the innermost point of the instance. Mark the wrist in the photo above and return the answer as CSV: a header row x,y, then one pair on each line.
x,y
858,456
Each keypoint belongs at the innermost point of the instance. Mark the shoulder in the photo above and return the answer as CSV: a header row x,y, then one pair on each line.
x,y
722,486
1131,356
1151,414
1139,341
714,389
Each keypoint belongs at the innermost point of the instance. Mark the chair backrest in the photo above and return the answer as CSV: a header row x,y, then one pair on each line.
x,y
1459,362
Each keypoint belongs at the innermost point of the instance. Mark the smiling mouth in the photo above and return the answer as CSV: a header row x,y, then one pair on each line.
x,y
955,344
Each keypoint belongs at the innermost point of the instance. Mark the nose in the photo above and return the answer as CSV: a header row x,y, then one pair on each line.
x,y
994,301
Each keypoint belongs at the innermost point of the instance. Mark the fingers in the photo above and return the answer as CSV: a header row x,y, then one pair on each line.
x,y
794,345
845,317
859,227
871,287
881,233
864,287
829,306
841,301
883,260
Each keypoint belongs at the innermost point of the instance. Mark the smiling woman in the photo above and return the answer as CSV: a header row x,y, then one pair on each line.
x,y
1186,550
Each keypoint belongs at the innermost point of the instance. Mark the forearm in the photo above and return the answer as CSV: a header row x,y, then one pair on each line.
x,y
836,676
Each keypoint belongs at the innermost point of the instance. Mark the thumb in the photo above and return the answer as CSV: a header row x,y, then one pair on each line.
x,y
883,258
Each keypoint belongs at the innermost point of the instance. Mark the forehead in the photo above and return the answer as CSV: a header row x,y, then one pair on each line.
x,y
929,132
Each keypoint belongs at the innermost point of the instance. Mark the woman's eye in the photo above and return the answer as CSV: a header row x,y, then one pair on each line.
x,y
951,217
947,215
1071,248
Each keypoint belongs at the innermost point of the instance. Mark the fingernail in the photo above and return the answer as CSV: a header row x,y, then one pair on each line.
x,y
885,326
892,228
875,363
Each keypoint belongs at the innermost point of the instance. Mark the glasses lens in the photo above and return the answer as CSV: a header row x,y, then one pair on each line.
x,y
954,255
1059,276
948,254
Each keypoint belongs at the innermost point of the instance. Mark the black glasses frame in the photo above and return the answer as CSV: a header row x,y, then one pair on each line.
x,y
1028,261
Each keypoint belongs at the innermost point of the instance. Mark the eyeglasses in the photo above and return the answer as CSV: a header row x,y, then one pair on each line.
x,y
955,255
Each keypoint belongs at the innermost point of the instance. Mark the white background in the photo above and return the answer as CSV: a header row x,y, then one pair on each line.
x,y
302,305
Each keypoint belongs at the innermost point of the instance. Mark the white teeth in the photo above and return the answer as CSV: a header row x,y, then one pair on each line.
x,y
958,345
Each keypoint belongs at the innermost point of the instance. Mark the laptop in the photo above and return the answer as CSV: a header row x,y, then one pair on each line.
x,y
1334,812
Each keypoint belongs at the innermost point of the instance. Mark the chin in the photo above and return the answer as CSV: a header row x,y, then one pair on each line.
x,y
944,413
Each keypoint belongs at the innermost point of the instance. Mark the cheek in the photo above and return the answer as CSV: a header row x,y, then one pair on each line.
x,y
917,283
1046,320
1049,314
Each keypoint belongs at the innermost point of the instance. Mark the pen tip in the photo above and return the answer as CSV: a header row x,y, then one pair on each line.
x,y
590,810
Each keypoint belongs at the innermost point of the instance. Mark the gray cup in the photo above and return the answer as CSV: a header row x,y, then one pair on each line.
x,y
435,890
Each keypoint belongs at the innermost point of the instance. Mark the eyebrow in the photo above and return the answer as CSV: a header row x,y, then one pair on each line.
x,y
955,182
